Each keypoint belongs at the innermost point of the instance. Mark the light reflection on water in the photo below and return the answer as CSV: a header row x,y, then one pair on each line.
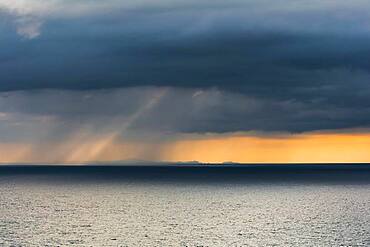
x,y
126,213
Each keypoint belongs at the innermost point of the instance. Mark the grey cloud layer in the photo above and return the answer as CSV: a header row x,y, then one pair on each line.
x,y
302,65
150,113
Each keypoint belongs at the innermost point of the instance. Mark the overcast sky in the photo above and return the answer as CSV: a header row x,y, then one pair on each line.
x,y
156,71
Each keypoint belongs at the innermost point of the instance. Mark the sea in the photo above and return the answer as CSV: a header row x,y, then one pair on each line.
x,y
185,205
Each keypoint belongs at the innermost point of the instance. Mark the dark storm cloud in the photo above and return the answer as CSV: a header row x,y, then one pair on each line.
x,y
247,47
250,61
303,67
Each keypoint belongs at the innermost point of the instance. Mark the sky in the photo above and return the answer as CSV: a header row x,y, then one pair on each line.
x,y
206,80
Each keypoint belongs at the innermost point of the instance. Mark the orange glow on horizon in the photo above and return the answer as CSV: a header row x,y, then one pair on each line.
x,y
305,148
302,148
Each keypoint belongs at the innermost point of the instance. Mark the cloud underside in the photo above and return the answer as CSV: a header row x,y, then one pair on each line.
x,y
167,111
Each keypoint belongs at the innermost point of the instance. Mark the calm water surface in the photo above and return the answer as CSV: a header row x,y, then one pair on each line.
x,y
45,210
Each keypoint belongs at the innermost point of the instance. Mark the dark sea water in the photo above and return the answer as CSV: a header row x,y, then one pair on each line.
x,y
185,205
